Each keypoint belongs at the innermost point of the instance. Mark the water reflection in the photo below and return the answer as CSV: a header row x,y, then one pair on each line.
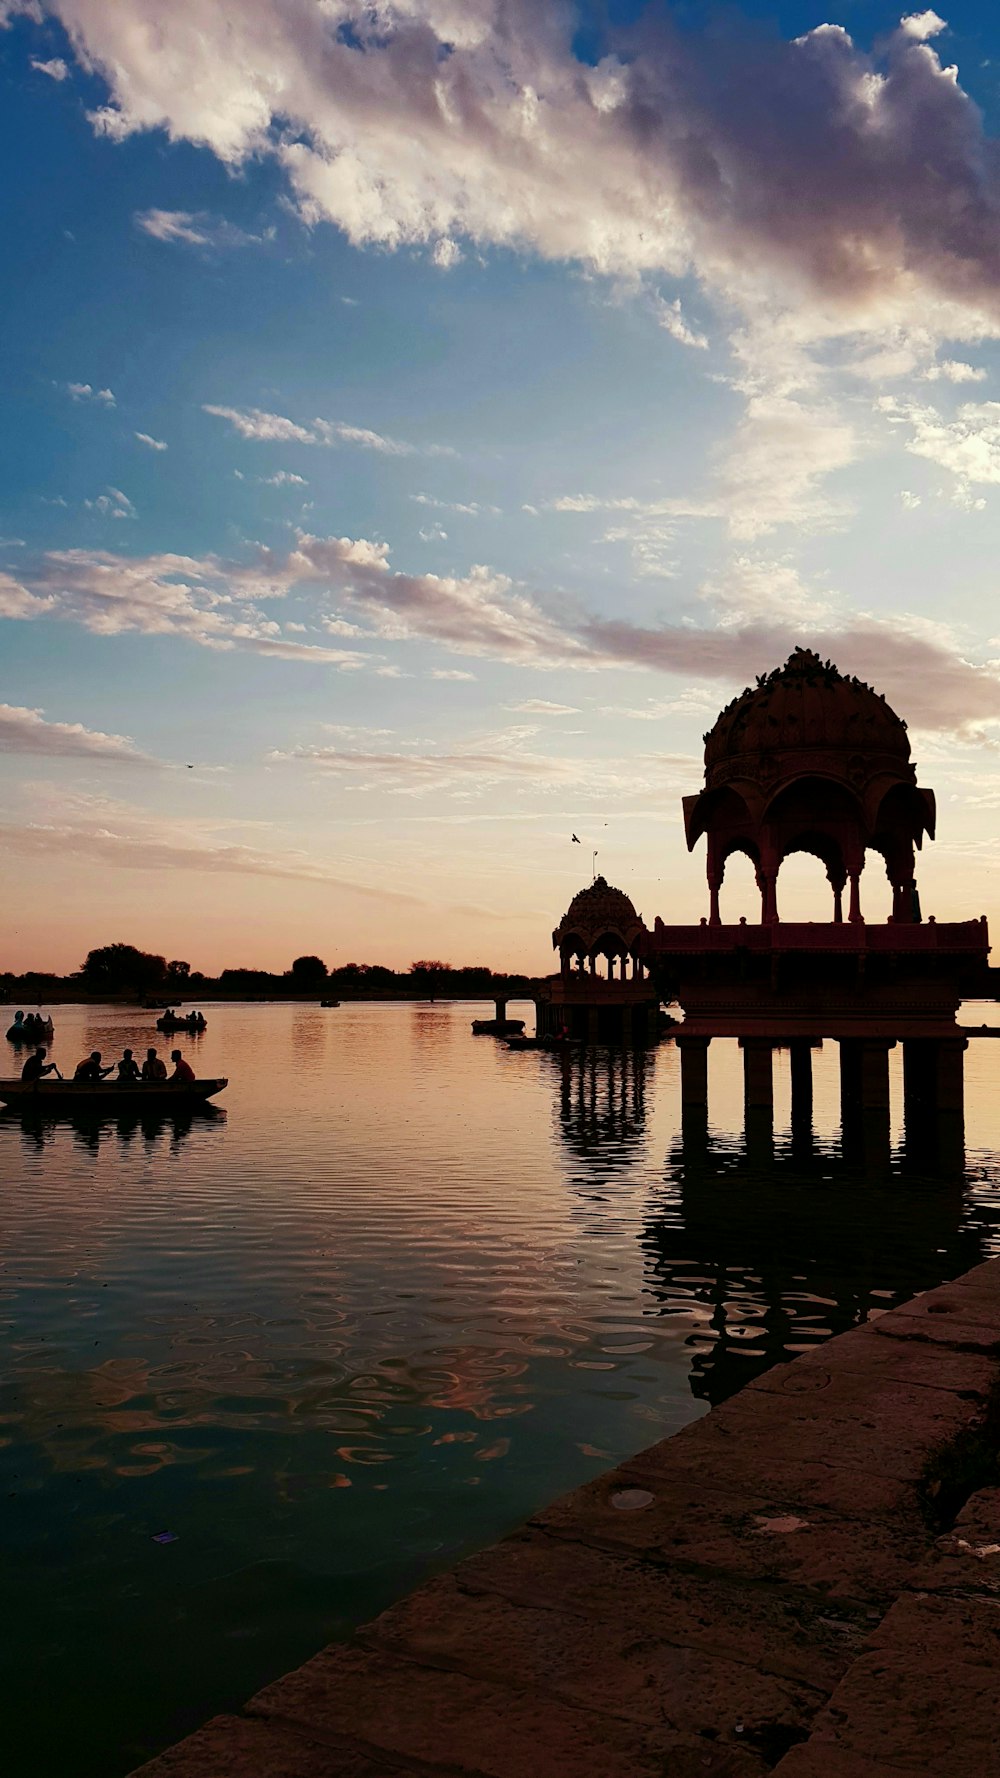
x,y
90,1131
761,1245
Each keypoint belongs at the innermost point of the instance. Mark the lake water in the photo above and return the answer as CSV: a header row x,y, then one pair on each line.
x,y
405,1288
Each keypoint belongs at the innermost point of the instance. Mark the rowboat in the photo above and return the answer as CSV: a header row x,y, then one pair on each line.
x,y
106,1095
188,1023
497,1027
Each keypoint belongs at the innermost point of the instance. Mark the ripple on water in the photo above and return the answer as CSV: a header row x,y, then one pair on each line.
x,y
407,1288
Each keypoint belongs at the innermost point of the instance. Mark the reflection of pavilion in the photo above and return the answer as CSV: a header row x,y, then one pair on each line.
x,y
782,1255
602,1103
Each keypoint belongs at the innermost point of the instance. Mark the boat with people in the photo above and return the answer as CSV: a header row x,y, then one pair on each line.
x,y
30,1028
192,1021
39,1096
497,1027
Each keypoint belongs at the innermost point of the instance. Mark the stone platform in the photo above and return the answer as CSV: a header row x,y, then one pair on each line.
x,y
804,1582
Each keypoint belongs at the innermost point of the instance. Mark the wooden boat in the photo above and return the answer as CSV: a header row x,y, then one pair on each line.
x,y
170,1022
497,1027
32,1034
329,1003
41,1096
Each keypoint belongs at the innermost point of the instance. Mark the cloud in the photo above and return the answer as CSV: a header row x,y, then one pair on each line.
x,y
968,445
859,180
263,427
471,508
275,428
283,479
670,317
953,370
154,444
56,69
455,673
85,392
195,229
543,707
112,504
218,604
27,731
118,837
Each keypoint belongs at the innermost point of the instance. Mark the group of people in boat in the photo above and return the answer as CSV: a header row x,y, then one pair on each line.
x,y
29,1028
175,1021
153,1069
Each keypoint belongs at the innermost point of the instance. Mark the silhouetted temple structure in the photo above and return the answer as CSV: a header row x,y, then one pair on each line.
x,y
808,760
600,927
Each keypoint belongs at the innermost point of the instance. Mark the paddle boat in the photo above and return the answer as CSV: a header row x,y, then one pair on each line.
x,y
497,1027
49,1095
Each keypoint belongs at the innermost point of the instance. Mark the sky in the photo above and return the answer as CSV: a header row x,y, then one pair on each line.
x,y
420,419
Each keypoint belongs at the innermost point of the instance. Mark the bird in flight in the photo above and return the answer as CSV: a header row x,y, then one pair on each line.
x,y
576,841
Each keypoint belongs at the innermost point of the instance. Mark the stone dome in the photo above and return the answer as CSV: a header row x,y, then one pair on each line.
x,y
810,708
597,910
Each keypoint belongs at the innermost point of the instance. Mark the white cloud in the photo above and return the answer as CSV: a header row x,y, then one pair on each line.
x,y
809,167
470,508
283,479
543,707
154,444
671,317
455,673
27,731
910,500
85,392
56,69
953,370
195,229
752,589
112,504
255,424
968,445
263,427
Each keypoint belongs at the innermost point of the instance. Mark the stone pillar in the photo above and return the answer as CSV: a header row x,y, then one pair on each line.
x,y
854,910
694,1072
714,916
838,904
802,1082
501,1009
951,1076
864,1074
758,1081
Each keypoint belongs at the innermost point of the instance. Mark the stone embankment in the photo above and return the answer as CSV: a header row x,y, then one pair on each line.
x,y
805,1582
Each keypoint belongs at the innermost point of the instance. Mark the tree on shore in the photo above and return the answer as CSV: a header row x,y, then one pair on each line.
x,y
308,972
122,969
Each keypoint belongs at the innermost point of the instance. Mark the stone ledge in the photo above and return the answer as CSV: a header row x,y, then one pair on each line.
x,y
765,1591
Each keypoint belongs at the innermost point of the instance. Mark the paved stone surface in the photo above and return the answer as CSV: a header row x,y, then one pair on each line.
x,y
804,1582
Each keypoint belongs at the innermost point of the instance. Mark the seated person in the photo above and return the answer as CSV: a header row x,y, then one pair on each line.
x,y
128,1067
153,1068
36,1066
183,1071
90,1068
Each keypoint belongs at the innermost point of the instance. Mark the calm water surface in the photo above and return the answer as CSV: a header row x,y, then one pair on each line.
x,y
406,1288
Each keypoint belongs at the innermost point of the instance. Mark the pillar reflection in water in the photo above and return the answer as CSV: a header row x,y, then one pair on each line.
x,y
760,1243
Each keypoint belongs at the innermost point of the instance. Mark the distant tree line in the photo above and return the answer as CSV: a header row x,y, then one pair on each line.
x,y
123,972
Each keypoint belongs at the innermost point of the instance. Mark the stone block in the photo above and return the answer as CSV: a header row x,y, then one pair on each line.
x,y
786,1633
232,1747
744,1535
863,1354
624,1669
950,1322
415,1713
914,1703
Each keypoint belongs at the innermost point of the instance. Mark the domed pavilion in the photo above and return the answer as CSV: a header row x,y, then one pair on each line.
x,y
600,922
811,760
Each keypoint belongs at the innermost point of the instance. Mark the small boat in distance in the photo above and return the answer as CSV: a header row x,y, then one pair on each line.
x,y
172,1021
106,1095
497,1027
329,1003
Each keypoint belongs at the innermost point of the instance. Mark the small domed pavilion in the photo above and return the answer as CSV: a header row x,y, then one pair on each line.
x,y
811,760
600,922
